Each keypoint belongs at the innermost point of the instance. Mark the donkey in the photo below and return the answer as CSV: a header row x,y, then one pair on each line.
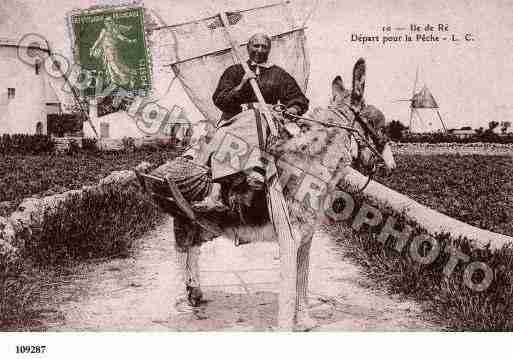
x,y
304,171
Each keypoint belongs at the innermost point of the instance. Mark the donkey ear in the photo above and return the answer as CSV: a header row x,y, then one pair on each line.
x,y
337,87
359,70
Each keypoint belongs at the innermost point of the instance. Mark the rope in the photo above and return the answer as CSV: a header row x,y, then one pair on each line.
x,y
352,132
307,18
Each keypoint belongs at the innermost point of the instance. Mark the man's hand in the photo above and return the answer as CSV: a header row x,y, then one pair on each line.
x,y
247,76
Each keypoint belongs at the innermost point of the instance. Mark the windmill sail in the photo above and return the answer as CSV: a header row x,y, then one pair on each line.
x,y
198,51
423,99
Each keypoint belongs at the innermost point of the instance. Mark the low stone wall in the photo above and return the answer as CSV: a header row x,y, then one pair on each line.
x,y
477,148
17,228
431,221
63,144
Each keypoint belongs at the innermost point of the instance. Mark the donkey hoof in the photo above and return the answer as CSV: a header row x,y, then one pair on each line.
x,y
182,305
194,296
304,322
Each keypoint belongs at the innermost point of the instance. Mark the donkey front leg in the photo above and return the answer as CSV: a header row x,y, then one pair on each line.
x,y
303,319
288,239
288,281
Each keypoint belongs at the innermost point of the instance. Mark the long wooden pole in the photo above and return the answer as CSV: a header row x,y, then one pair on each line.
x,y
252,82
278,211
75,95
413,97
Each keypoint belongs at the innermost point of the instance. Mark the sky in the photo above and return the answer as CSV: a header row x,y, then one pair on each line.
x,y
471,81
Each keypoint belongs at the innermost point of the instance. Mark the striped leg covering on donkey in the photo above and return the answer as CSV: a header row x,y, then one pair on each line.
x,y
189,274
188,250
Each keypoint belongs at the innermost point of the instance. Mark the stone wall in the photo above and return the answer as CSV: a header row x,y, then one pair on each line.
x,y
18,227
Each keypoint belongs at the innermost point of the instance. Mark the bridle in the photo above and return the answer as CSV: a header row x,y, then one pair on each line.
x,y
353,132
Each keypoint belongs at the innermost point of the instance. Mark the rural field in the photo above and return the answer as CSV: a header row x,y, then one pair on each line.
x,y
39,175
471,183
475,188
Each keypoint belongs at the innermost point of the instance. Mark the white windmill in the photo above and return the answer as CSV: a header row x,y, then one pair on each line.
x,y
421,101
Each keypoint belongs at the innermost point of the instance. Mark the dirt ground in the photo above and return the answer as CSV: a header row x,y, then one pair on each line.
x,y
240,284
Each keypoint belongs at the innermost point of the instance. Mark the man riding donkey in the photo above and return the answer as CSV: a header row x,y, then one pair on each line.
x,y
233,95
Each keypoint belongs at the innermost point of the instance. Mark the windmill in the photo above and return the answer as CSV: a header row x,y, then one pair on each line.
x,y
421,100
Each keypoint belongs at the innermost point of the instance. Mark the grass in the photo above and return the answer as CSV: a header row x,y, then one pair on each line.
x,y
19,288
476,189
38,175
103,222
447,299
471,188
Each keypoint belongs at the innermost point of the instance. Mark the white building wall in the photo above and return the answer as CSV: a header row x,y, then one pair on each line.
x,y
119,125
22,113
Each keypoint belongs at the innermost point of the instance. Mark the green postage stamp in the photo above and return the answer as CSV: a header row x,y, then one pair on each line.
x,y
110,43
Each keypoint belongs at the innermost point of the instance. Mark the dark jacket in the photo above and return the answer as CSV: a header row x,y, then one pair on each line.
x,y
275,84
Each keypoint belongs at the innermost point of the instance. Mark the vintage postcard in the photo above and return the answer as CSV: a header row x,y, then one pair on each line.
x,y
255,166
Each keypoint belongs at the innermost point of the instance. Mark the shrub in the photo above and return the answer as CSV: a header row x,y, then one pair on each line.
x,y
74,147
26,144
440,137
128,144
90,144
102,222
30,175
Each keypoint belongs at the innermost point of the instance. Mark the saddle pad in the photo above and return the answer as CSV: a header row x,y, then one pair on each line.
x,y
193,180
235,146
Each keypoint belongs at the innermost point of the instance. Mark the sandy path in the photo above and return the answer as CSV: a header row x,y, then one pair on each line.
x,y
240,284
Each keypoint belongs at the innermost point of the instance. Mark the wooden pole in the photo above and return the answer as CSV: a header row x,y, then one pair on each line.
x,y
413,96
75,95
442,121
288,238
252,82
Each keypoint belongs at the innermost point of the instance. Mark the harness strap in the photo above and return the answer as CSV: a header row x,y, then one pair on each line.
x,y
260,130
378,141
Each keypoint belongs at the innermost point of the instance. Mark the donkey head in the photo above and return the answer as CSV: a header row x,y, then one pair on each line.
x,y
369,120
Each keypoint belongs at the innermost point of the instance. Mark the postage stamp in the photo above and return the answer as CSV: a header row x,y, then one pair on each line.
x,y
110,43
